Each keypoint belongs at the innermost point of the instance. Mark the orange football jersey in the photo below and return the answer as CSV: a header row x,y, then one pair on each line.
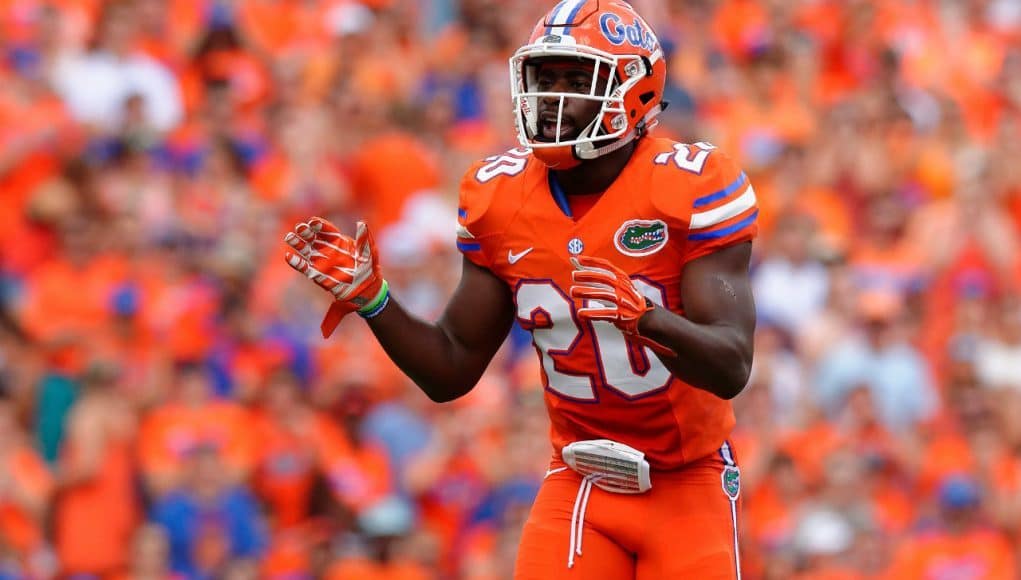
x,y
671,204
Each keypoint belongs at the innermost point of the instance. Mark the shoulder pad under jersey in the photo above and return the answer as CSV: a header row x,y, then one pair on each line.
x,y
703,191
477,226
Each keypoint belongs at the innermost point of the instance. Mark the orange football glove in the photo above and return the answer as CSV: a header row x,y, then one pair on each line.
x,y
347,268
616,298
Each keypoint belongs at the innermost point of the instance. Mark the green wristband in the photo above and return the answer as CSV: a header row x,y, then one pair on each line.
x,y
381,297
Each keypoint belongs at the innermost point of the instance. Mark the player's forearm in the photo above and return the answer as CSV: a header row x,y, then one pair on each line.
x,y
715,358
425,353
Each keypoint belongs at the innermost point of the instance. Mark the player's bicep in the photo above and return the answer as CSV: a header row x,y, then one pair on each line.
x,y
478,316
716,289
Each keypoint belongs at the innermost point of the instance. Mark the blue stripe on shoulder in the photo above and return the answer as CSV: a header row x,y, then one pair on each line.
x,y
716,196
725,231
469,246
461,213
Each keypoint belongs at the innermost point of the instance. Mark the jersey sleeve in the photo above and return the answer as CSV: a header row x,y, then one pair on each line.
x,y
722,210
474,238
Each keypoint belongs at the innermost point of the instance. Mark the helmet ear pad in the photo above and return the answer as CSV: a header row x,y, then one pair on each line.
x,y
645,98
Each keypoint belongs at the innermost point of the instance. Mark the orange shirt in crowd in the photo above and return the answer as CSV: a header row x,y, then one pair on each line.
x,y
172,430
82,546
782,118
182,24
895,510
51,309
977,554
769,519
365,569
830,573
289,459
29,480
947,454
183,314
480,548
831,214
282,27
445,514
249,81
740,26
810,447
1006,475
359,477
30,135
380,188
288,554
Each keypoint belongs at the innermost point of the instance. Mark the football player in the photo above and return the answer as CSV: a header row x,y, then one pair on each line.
x,y
627,258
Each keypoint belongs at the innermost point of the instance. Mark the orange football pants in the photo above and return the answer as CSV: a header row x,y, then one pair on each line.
x,y
684,527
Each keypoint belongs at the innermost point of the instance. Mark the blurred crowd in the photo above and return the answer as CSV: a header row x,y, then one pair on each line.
x,y
169,410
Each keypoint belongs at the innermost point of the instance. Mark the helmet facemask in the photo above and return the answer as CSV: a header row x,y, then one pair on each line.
x,y
607,131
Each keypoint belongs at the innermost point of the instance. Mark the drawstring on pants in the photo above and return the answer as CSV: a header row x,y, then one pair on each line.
x,y
578,516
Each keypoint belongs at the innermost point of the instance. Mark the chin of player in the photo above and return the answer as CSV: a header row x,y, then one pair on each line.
x,y
570,135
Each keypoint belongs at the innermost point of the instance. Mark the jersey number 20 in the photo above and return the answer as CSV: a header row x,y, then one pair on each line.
x,y
628,369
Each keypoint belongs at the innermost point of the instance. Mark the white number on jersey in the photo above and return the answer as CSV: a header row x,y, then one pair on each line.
x,y
687,157
557,331
510,163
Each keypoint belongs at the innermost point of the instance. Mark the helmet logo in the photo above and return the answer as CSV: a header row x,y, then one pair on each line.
x,y
636,34
551,39
632,69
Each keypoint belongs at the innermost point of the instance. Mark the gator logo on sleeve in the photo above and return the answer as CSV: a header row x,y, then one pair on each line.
x,y
731,477
641,237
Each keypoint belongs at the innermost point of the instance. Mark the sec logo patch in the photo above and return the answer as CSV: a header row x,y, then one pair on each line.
x,y
575,246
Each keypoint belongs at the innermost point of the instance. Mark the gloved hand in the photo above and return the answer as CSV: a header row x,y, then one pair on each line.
x,y
347,268
618,299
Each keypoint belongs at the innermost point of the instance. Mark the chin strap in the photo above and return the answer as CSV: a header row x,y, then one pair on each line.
x,y
593,153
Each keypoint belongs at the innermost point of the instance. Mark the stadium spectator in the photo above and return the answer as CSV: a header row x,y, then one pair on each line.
x,y
103,86
389,550
882,360
210,522
296,446
960,544
791,284
97,471
150,554
26,490
194,419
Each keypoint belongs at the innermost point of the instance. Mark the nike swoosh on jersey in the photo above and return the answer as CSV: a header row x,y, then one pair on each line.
x,y
513,258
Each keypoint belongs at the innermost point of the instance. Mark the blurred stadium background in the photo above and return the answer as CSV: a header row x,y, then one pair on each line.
x,y
168,406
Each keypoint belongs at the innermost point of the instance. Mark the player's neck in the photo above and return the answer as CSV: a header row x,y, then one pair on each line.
x,y
597,175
